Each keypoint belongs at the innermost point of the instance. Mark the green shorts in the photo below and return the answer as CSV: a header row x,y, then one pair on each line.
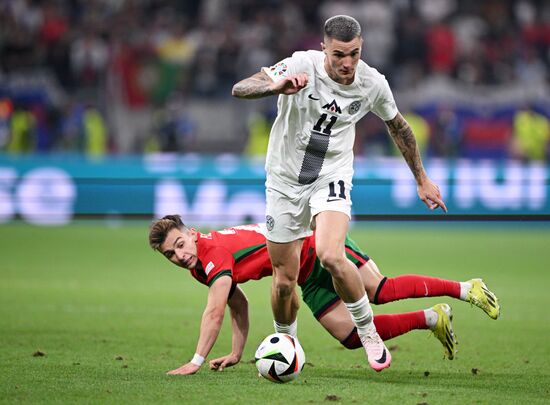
x,y
318,291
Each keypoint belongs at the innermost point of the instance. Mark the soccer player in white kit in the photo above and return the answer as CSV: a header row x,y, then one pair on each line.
x,y
309,167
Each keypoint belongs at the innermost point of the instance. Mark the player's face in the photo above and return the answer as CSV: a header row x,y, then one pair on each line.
x,y
342,58
181,248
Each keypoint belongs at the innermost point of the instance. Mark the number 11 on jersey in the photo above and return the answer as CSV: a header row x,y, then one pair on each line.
x,y
332,191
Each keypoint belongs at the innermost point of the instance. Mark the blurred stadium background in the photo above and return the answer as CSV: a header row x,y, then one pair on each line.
x,y
124,108
112,110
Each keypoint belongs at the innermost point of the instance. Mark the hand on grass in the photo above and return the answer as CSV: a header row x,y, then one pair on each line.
x,y
222,362
186,369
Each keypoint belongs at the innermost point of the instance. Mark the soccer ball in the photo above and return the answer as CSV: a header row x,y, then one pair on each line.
x,y
280,358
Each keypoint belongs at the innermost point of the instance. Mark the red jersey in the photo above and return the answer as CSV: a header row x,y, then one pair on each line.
x,y
241,252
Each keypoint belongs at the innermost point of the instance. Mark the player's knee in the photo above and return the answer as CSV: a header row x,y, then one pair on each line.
x,y
284,287
333,262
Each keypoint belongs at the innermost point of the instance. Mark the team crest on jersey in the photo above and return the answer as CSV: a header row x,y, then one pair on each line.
x,y
354,107
333,107
269,222
279,69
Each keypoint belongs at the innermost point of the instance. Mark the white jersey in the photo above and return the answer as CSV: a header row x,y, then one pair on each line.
x,y
314,132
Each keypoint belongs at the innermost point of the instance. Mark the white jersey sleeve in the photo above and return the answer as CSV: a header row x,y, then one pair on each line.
x,y
384,104
295,64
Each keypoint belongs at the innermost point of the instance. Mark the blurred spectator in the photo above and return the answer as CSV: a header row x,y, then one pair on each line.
x,y
176,52
440,52
22,132
72,128
130,110
435,11
89,56
54,38
95,133
531,135
259,128
447,132
409,58
173,129
6,109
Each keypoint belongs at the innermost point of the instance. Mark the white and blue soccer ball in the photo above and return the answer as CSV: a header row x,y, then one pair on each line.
x,y
280,358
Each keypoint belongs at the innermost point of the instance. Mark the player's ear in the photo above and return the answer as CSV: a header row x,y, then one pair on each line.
x,y
193,233
323,47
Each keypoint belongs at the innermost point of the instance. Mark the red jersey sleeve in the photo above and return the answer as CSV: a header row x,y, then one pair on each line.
x,y
217,262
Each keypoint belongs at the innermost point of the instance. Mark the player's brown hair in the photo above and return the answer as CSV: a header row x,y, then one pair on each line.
x,y
161,227
342,28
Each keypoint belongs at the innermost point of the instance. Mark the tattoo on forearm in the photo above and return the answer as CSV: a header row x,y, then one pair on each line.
x,y
403,137
255,86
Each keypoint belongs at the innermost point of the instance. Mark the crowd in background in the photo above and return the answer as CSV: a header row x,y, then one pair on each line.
x,y
115,76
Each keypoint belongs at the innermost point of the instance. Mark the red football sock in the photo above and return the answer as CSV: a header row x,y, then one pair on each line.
x,y
414,286
393,325
390,326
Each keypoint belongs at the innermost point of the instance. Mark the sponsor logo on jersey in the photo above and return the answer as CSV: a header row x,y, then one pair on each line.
x,y
279,69
354,107
333,107
209,267
312,97
269,222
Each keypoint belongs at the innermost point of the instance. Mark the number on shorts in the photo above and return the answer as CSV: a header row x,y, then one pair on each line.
x,y
332,192
316,150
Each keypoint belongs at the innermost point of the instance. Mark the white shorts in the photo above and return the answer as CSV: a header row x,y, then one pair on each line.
x,y
291,210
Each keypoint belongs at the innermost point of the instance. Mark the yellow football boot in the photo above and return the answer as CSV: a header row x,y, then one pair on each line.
x,y
443,329
480,296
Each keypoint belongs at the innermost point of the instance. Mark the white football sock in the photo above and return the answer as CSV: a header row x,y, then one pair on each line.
x,y
291,329
464,290
361,313
431,317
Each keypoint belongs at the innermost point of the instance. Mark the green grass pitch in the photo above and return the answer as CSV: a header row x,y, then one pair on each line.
x,y
111,317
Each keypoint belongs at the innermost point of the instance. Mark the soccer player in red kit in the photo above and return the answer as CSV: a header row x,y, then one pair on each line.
x,y
223,259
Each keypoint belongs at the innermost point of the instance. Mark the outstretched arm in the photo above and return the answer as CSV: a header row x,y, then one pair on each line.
x,y
211,323
403,137
238,305
260,85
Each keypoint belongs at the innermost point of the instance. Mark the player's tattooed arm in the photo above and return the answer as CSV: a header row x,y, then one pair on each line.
x,y
403,137
261,85
256,86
